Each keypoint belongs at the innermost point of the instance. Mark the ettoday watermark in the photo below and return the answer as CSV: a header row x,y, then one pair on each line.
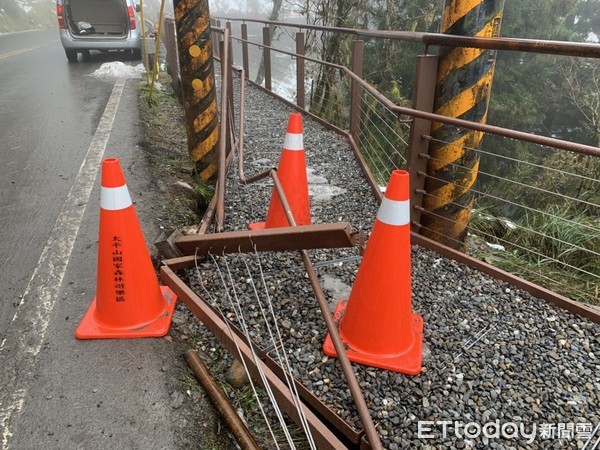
x,y
443,429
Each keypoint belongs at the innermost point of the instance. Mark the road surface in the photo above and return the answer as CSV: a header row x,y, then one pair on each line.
x,y
57,123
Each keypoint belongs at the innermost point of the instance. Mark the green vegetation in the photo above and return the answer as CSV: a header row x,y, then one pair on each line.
x,y
552,196
557,247
166,147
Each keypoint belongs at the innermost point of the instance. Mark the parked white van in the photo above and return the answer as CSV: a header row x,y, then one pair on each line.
x,y
103,25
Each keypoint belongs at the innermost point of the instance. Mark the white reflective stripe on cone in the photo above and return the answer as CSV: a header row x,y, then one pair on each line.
x,y
293,141
394,212
114,199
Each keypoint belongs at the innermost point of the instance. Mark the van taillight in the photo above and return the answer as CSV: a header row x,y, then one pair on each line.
x,y
132,24
59,14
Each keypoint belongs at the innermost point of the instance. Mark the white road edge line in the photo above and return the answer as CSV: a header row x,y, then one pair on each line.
x,y
47,278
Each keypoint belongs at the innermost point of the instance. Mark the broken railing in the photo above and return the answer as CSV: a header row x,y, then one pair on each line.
x,y
368,109
510,229
319,428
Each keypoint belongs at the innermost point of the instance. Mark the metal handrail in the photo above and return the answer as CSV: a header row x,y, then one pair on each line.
x,y
582,49
485,128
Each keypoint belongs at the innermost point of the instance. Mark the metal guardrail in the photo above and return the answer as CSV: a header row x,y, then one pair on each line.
x,y
384,136
388,136
582,49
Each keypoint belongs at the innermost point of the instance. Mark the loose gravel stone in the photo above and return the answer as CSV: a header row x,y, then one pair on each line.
x,y
493,352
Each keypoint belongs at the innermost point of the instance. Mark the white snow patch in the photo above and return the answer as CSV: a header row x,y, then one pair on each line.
x,y
324,192
336,289
315,179
320,189
25,6
117,69
495,246
511,225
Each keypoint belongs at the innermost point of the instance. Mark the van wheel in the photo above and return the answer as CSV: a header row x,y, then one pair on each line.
x,y
71,55
136,54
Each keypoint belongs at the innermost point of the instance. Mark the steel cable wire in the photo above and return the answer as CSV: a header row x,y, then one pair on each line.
x,y
518,183
365,114
382,169
241,320
386,120
365,140
392,146
282,360
544,257
512,224
589,227
539,166
241,358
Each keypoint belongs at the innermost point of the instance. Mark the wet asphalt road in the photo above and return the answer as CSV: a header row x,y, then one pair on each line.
x,y
48,112
57,392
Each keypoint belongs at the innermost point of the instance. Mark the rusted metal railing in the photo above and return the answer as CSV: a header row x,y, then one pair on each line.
x,y
563,48
418,119
410,148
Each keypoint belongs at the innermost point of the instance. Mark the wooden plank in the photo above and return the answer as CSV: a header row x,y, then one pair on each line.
x,y
326,235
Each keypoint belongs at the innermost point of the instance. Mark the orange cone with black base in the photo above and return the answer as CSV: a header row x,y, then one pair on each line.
x,y
292,174
129,302
376,323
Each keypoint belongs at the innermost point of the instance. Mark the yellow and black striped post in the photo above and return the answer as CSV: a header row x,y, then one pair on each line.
x,y
198,84
464,81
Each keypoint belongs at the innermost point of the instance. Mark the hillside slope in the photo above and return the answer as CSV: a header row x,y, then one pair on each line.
x,y
19,15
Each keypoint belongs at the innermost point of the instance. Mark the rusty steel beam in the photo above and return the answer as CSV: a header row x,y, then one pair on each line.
x,y
423,99
562,48
222,154
326,235
300,71
240,143
323,436
245,48
221,402
358,56
267,57
180,263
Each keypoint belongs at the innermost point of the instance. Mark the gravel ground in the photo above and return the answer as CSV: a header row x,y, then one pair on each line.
x,y
493,354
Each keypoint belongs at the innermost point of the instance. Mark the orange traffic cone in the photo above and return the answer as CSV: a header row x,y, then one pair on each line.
x,y
129,302
376,323
292,174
